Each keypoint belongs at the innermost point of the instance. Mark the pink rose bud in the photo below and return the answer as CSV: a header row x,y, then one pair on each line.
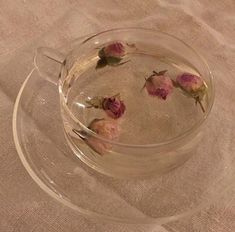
x,y
112,55
116,50
113,106
194,86
108,129
160,85
190,82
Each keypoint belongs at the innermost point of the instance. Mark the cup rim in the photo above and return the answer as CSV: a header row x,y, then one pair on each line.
x,y
172,141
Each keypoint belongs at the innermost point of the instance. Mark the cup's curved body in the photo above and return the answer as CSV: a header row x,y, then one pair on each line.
x,y
125,157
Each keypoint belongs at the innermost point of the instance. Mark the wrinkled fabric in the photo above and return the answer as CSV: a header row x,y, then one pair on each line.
x,y
208,26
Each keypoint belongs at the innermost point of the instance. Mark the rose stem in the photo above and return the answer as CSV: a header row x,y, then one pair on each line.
x,y
202,107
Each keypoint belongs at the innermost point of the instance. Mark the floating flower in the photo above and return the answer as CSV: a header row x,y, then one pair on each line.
x,y
116,50
190,82
113,106
108,129
194,86
111,55
158,84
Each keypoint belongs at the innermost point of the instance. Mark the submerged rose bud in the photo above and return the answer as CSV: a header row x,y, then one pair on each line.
x,y
112,55
113,106
116,50
108,129
190,82
158,84
194,86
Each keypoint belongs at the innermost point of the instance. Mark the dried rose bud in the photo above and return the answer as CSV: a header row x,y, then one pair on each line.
x,y
158,84
112,55
108,129
116,50
190,82
193,86
113,106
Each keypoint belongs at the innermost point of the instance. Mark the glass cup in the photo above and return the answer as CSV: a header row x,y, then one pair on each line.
x,y
154,134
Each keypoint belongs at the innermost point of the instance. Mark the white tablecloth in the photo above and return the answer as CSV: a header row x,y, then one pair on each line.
x,y
209,26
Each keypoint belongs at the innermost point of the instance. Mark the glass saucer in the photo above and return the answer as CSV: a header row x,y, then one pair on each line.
x,y
42,147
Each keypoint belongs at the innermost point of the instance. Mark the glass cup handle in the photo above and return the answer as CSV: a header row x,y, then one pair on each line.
x,y
48,62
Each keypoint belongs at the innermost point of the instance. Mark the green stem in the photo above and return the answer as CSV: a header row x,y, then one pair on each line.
x,y
202,107
197,99
78,133
119,64
143,86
